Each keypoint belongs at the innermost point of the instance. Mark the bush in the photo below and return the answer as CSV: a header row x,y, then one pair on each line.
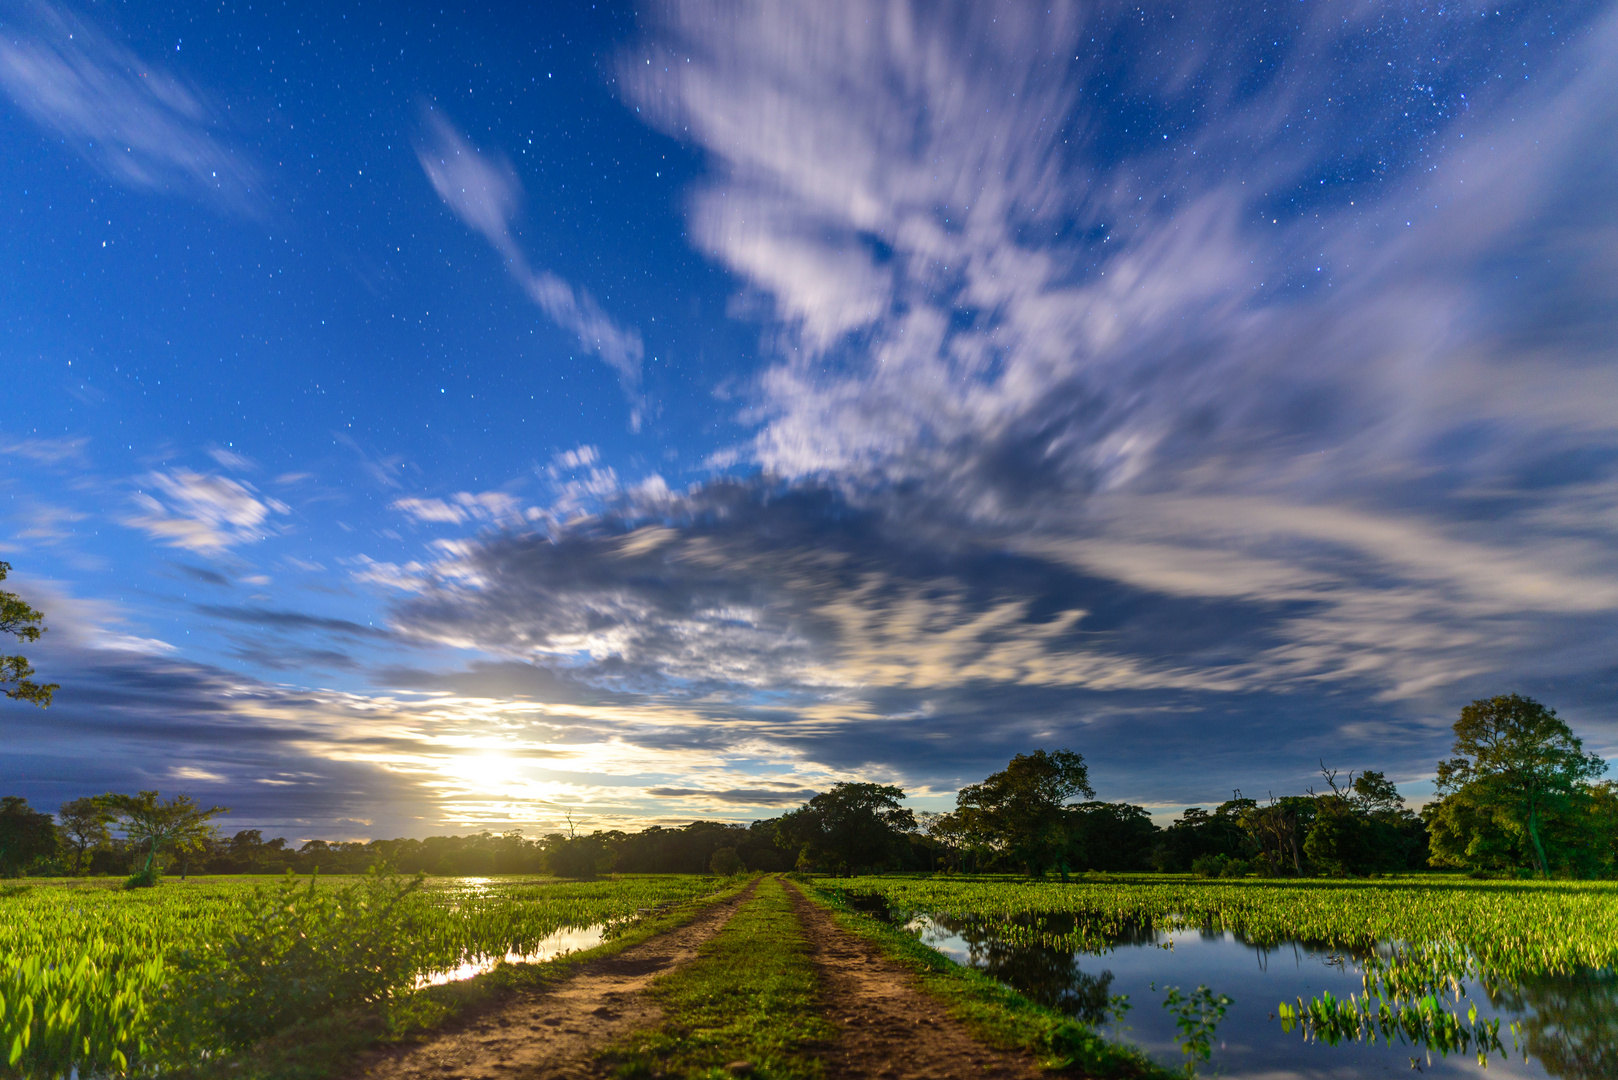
x,y
310,953
143,879
725,862
1220,866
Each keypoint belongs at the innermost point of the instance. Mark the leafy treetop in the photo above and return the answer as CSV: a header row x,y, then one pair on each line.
x,y
22,622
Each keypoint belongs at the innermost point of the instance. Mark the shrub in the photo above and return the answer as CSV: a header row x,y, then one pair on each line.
x,y
309,952
725,862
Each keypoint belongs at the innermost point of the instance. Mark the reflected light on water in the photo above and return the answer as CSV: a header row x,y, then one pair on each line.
x,y
558,944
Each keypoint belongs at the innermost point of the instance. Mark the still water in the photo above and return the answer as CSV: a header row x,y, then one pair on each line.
x,y
571,939
1565,1026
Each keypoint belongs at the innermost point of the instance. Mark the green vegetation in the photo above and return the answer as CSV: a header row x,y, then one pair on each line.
x,y
751,996
21,622
990,1011
1505,928
82,966
1518,789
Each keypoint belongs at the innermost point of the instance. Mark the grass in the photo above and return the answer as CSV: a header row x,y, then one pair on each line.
x,y
329,1047
752,995
994,1013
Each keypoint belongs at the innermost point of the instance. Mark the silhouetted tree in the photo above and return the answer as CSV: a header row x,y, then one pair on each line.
x,y
851,828
21,622
26,835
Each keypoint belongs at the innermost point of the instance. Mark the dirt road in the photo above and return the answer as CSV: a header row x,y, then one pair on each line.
x,y
555,1032
886,1028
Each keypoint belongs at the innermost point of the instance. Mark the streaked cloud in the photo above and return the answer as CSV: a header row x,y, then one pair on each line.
x,y
1156,324
205,513
134,121
463,506
484,192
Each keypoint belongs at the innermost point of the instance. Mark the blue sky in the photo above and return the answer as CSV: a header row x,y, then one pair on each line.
x,y
421,420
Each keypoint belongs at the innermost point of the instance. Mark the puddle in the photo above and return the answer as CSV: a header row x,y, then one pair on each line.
x,y
1567,1024
557,944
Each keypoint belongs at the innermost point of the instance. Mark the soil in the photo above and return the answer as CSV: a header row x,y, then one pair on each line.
x,y
555,1032
889,1028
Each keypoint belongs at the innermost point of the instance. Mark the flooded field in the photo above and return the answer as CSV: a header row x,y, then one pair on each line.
x,y
1195,986
1561,1026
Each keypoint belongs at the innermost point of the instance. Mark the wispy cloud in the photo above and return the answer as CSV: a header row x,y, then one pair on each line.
x,y
484,192
1151,320
130,118
493,507
204,513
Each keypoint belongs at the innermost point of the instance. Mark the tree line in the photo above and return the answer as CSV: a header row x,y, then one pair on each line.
x,y
1519,796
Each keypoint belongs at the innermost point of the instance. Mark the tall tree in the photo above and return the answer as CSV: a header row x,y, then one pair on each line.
x,y
25,835
852,827
147,821
83,822
1517,762
22,622
1022,811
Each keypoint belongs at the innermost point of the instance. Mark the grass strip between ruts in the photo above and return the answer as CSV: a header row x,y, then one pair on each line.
x,y
752,995
329,1048
993,1012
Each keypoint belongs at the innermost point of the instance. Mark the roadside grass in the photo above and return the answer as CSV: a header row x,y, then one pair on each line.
x,y
996,1014
751,996
329,1047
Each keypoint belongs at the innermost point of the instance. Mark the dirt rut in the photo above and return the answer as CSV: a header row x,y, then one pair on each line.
x,y
554,1032
889,1028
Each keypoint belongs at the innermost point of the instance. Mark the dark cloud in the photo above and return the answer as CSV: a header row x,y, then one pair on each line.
x,y
292,620
203,574
740,796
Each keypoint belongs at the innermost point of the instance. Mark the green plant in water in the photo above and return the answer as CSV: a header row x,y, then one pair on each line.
x,y
1197,1016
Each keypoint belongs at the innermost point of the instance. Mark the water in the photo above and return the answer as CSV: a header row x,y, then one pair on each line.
x,y
558,944
1568,1025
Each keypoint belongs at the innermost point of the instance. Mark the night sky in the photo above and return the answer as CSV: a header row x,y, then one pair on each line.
x,y
417,419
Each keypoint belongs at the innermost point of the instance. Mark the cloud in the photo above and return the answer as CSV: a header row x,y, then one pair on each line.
x,y
486,195
49,451
133,121
202,513
739,796
1229,323
464,506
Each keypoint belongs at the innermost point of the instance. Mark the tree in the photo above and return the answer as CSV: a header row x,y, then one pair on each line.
x,y
1197,834
1113,837
1517,762
578,857
25,835
1279,829
1022,811
22,622
726,862
144,820
850,828
84,823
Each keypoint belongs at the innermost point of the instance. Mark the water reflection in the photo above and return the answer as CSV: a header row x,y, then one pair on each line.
x,y
1549,1025
571,939
1568,1023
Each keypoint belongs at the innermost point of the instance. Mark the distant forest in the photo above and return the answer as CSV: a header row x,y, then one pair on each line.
x,y
1519,798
